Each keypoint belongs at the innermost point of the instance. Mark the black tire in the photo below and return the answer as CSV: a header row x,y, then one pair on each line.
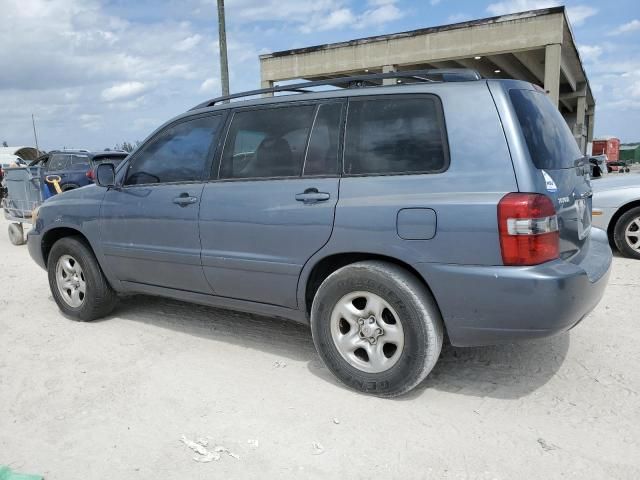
x,y
16,234
69,186
99,299
625,220
420,318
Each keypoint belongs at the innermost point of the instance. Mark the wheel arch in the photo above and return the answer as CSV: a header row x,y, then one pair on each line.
x,y
330,263
616,216
50,237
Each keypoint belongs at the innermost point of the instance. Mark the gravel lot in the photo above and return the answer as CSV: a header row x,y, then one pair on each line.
x,y
111,399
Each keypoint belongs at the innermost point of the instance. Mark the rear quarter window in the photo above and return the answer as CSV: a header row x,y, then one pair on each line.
x,y
550,142
395,135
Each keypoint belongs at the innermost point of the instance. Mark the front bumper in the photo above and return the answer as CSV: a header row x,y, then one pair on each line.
x,y
485,305
34,244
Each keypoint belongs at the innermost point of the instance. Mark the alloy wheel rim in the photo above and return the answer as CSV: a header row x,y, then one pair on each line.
x,y
367,332
70,281
632,234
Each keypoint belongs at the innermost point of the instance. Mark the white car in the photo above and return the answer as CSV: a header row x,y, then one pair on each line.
x,y
616,209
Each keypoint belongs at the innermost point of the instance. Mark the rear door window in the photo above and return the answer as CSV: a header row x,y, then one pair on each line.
x,y
322,152
267,143
549,140
394,135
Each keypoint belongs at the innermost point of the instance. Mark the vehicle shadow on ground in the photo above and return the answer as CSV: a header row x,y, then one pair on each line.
x,y
284,338
504,371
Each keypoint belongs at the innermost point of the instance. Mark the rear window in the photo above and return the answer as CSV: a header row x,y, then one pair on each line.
x,y
395,135
79,160
550,142
107,159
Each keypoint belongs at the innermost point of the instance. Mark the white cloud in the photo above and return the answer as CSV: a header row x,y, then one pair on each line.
x,y
150,68
435,2
382,13
590,53
188,43
513,6
631,26
310,16
634,88
210,85
577,14
332,20
91,121
123,91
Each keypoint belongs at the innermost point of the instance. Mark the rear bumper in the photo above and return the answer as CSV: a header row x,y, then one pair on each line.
x,y
485,305
34,244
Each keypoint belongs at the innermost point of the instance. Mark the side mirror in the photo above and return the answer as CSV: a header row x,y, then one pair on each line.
x,y
106,175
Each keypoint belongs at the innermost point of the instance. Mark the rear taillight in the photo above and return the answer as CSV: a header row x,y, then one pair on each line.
x,y
528,228
90,174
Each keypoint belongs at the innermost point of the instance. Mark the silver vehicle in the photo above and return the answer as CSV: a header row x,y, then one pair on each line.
x,y
616,209
385,216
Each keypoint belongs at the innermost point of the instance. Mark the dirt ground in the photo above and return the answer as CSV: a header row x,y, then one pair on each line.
x,y
112,399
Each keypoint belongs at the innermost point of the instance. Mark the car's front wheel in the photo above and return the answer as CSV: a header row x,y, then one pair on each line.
x,y
377,328
626,233
77,283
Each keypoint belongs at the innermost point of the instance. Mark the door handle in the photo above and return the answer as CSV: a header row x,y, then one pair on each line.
x,y
185,199
312,195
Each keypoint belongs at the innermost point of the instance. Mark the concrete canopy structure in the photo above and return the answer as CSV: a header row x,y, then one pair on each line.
x,y
537,46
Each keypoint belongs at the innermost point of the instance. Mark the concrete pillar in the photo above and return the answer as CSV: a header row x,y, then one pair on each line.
x,y
267,84
581,116
590,122
388,69
552,60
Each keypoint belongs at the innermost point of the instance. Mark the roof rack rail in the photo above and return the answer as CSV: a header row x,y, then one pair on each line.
x,y
433,75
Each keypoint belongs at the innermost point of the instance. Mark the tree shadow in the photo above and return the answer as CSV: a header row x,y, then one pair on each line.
x,y
503,371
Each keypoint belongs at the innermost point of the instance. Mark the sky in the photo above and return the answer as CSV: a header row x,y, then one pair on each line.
x,y
97,73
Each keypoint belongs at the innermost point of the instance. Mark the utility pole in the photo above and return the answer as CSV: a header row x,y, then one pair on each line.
x,y
222,35
35,135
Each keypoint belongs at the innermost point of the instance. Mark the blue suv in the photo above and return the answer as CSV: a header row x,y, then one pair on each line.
x,y
385,216
75,167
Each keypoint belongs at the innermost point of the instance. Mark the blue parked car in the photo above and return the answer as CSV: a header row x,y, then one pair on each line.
x,y
75,167
384,216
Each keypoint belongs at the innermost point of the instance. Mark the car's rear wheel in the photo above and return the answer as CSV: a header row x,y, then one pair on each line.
x,y
626,233
377,328
77,283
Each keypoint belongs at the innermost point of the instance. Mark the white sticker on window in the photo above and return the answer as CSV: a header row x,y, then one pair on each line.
x,y
549,183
